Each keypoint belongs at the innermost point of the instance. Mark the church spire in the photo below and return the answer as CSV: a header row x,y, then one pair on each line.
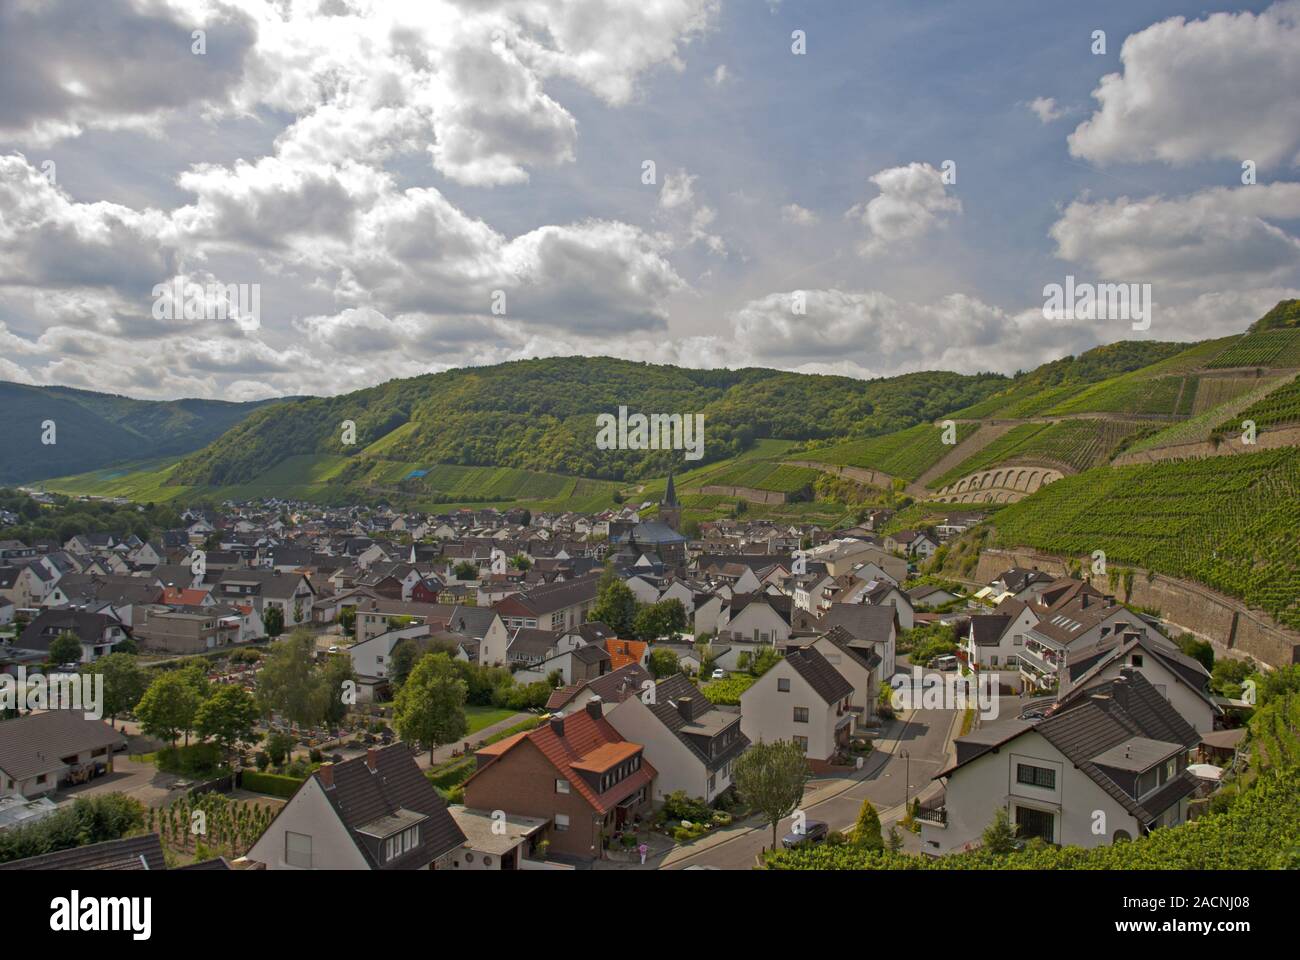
x,y
670,495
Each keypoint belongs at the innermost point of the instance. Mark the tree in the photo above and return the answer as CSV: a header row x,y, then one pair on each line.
x,y
65,648
287,683
402,662
615,604
124,682
227,718
1200,650
665,618
769,778
866,833
520,561
278,747
430,707
273,620
168,707
347,619
663,663
336,695
465,571
1000,836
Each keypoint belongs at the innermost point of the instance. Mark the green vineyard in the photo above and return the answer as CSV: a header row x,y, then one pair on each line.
x,y
1232,523
907,454
1080,444
1131,395
1272,348
1280,408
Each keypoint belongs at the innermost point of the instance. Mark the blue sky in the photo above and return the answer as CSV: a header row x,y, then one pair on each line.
x,y
380,170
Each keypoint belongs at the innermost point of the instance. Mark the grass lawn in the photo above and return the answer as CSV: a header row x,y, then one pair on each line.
x,y
480,717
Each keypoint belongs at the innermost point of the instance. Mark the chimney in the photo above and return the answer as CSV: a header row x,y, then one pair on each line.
x,y
594,708
557,725
326,773
1110,600
686,707
372,755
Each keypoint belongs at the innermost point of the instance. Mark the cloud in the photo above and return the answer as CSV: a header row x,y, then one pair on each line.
x,y
1221,88
793,213
1222,237
912,202
1045,109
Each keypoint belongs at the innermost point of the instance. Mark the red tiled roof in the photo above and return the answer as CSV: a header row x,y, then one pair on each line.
x,y
586,741
623,652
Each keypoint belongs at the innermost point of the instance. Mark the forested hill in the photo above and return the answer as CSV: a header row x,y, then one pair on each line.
x,y
93,430
540,414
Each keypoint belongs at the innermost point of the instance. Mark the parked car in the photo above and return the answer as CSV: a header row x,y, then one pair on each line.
x,y
719,674
945,662
814,831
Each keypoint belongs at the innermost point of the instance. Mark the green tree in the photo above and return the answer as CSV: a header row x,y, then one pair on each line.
x,y
168,707
663,663
615,604
894,839
465,571
338,687
1000,836
430,707
347,619
866,832
124,682
65,648
769,778
279,746
227,717
287,684
654,620
273,620
402,662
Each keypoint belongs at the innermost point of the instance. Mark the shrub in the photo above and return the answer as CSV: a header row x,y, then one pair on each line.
x,y
275,784
678,806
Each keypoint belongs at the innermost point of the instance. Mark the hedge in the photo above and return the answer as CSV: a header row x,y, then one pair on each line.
x,y
275,784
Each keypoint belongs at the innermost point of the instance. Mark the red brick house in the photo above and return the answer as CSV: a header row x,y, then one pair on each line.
x,y
577,772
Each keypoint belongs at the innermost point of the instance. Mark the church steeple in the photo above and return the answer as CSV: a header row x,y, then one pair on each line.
x,y
670,511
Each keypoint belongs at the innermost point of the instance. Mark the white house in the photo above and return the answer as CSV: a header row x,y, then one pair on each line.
x,y
803,698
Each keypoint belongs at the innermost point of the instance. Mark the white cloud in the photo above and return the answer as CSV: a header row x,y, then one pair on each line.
x,y
912,201
1221,88
1045,109
1215,239
793,213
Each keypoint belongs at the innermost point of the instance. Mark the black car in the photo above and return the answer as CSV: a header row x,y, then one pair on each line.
x,y
814,831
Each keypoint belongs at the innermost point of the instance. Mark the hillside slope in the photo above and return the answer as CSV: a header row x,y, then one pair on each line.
x,y
94,430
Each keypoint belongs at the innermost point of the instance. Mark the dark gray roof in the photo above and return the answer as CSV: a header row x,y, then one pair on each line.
x,y
827,682
128,853
707,720
89,627
862,621
33,744
361,798
988,628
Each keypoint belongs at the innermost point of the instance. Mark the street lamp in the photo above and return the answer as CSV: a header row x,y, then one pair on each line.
x,y
907,777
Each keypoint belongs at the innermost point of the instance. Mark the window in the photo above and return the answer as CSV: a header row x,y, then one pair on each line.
x,y
1018,640
1036,776
561,786
801,743
401,843
561,822
993,661
783,685
1036,823
800,714
297,849
1137,660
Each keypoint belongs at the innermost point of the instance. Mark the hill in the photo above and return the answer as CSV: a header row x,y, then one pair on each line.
x,y
94,430
540,415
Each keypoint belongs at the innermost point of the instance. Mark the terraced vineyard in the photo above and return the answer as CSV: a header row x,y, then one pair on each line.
x,y
1279,408
1199,427
1231,523
907,454
1080,444
1130,395
1271,348
1216,391
765,475
1023,401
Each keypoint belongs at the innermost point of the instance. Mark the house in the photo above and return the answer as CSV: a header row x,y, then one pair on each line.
x,y
756,617
144,852
574,664
1180,679
1107,765
188,630
40,751
377,812
577,772
802,698
290,593
690,742
553,606
858,662
911,543
884,593
1021,583
1073,618
497,842
487,628
930,596
98,632
994,641
611,689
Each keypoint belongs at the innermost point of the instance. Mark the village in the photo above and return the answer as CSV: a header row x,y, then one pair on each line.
x,y
496,689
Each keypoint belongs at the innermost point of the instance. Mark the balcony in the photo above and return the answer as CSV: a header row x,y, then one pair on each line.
x,y
934,812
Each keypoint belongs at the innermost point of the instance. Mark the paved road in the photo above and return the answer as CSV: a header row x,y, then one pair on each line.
x,y
925,738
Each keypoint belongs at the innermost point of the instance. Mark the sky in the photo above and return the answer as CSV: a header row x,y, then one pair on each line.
x,y
831,186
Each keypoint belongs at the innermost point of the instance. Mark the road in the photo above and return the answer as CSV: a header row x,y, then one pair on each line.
x,y
924,737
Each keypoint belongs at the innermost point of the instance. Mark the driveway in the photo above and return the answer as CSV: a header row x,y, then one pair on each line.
x,y
143,781
925,736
